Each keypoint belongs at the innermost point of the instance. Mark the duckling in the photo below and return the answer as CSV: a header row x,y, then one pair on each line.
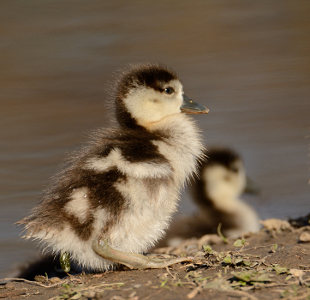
x,y
116,196
217,193
222,179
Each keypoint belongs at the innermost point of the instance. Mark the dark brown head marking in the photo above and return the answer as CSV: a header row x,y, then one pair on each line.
x,y
221,156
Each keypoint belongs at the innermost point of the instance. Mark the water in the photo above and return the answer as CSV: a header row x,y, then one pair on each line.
x,y
247,61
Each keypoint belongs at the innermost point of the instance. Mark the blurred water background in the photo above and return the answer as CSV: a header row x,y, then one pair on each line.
x,y
248,61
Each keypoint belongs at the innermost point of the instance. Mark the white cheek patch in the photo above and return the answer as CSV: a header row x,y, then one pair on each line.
x,y
241,179
79,204
222,193
147,105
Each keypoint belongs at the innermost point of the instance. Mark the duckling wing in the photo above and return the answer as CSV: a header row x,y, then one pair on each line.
x,y
132,155
90,182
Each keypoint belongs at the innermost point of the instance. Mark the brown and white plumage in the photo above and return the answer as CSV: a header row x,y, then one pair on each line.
x,y
124,186
218,193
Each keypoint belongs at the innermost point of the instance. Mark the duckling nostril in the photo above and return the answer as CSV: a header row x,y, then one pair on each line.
x,y
227,178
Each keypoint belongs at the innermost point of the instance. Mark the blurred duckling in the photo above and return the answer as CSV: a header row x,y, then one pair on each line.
x,y
117,195
222,180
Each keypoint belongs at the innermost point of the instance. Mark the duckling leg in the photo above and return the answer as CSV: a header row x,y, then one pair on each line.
x,y
134,260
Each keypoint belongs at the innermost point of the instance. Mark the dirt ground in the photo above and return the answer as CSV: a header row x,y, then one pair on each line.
x,y
271,264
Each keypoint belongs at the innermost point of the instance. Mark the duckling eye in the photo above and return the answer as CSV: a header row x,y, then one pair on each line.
x,y
234,169
169,90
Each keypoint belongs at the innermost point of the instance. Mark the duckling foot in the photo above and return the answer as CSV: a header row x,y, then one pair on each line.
x,y
134,260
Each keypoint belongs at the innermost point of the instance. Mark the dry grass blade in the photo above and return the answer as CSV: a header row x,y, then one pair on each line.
x,y
34,282
221,235
194,292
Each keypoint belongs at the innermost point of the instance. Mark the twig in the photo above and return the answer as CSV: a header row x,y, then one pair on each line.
x,y
244,294
34,282
271,285
92,287
257,247
174,278
186,283
194,292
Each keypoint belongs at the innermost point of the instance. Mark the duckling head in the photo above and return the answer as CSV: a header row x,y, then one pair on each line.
x,y
223,175
148,94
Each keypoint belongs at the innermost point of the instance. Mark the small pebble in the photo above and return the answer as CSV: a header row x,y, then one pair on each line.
x,y
297,272
40,278
304,237
10,285
54,280
90,294
276,224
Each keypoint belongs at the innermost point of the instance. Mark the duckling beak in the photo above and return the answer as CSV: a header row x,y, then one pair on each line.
x,y
250,187
191,107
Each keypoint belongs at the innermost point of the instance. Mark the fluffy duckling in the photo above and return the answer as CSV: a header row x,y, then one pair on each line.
x,y
217,191
116,197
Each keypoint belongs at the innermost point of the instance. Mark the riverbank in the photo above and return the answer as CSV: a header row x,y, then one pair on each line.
x,y
271,264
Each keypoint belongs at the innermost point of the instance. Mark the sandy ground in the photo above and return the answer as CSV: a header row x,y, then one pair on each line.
x,y
271,264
